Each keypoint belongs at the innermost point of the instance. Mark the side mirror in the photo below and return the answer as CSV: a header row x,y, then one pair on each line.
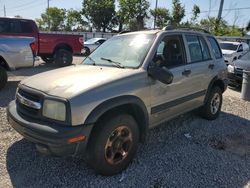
x,y
161,73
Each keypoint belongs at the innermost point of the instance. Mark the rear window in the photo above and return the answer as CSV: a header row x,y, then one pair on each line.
x,y
228,46
215,47
25,27
5,26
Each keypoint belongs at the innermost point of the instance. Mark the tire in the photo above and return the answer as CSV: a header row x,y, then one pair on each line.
x,y
3,77
212,107
63,57
109,153
47,59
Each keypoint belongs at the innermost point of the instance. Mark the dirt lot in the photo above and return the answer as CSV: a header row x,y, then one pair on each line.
x,y
185,152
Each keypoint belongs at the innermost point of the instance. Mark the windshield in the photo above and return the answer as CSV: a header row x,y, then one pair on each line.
x,y
228,46
125,50
246,57
93,40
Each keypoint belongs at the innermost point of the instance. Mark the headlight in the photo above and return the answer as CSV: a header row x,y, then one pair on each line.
x,y
54,110
230,68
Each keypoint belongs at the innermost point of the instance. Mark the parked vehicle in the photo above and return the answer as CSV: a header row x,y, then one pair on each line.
x,y
15,52
233,50
52,47
103,108
235,71
91,44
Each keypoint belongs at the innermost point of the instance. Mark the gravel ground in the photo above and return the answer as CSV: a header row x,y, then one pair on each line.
x,y
185,152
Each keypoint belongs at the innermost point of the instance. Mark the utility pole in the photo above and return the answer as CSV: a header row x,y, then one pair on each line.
x,y
48,16
4,9
220,10
156,5
217,22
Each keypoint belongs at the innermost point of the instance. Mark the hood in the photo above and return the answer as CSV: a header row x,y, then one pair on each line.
x,y
228,52
242,64
71,81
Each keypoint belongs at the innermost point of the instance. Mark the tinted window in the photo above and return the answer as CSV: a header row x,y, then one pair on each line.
x,y
25,27
170,52
5,26
215,47
102,41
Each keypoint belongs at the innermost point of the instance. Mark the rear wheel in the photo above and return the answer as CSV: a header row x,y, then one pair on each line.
x,y
212,107
3,77
86,51
63,57
47,59
113,144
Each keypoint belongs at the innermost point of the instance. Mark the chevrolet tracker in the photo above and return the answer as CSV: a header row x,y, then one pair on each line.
x,y
134,81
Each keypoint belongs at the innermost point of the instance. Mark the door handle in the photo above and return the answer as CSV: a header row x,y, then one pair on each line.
x,y
186,72
211,66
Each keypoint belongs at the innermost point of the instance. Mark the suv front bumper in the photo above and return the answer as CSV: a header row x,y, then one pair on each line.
x,y
49,139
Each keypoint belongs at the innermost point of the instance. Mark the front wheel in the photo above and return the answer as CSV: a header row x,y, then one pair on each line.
x,y
113,144
212,107
3,77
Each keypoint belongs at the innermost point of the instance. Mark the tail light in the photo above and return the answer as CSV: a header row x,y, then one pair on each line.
x,y
81,40
34,48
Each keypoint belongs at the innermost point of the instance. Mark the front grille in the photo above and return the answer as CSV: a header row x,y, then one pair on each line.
x,y
26,109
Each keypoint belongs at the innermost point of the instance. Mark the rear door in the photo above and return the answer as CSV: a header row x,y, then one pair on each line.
x,y
170,100
200,59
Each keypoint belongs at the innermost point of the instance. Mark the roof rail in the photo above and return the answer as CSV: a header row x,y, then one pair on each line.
x,y
171,27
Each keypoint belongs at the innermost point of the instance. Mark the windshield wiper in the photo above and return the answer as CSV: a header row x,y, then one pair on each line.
x,y
117,64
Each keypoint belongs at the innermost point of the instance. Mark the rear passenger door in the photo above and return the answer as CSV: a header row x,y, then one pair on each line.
x,y
170,100
200,59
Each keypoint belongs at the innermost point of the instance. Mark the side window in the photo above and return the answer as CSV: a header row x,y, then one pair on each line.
x,y
194,47
240,49
102,41
215,47
5,26
204,49
170,52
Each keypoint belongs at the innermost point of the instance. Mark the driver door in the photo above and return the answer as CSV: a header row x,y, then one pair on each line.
x,y
169,100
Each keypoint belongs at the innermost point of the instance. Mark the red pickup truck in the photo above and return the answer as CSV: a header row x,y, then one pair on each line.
x,y
51,47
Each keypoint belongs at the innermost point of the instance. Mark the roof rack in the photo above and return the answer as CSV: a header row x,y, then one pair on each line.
x,y
171,27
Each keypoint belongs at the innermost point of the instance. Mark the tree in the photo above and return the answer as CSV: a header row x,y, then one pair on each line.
x,y
178,13
53,19
134,12
223,29
74,20
99,12
162,16
196,11
248,26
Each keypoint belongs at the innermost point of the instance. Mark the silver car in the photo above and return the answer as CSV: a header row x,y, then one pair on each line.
x,y
15,52
91,44
135,81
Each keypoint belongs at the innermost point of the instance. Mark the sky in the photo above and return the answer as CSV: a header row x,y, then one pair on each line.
x,y
33,8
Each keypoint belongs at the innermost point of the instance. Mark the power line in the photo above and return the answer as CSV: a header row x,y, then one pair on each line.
x,y
28,6
23,5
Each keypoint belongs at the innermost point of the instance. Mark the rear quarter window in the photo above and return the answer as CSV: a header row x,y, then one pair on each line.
x,y
215,47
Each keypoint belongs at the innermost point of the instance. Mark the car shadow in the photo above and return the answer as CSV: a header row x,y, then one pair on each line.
x,y
30,71
178,154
